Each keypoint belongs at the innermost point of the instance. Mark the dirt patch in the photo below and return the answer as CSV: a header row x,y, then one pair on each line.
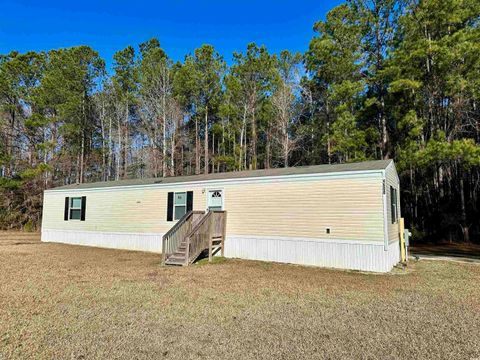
x,y
64,301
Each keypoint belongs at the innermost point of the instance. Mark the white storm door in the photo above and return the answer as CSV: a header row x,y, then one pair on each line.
x,y
215,200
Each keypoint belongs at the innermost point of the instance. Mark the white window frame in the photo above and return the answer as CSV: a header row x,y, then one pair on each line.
x,y
175,205
71,207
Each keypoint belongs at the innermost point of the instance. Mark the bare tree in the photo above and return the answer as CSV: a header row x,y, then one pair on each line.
x,y
159,111
285,102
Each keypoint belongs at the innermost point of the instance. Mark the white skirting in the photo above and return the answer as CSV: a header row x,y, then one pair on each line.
x,y
151,242
343,254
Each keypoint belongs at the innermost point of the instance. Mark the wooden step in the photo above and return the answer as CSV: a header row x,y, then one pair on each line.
x,y
176,262
176,259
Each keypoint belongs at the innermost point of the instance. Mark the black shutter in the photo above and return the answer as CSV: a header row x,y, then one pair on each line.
x,y
84,206
170,207
65,213
189,201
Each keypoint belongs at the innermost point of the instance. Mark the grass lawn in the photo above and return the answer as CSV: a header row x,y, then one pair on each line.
x,y
71,302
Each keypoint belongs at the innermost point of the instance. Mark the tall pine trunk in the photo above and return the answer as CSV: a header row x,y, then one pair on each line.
x,y
465,227
82,157
125,144
286,148
267,150
242,135
206,140
197,149
254,141
164,136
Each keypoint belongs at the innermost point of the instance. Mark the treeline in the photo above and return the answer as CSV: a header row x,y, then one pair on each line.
x,y
381,79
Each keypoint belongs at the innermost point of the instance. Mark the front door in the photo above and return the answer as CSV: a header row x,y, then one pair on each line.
x,y
215,200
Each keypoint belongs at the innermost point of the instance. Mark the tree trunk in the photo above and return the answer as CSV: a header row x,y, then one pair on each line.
x,y
242,135
206,140
125,144
119,149
82,156
286,149
164,136
197,149
104,152
10,145
172,153
329,151
384,151
110,150
213,152
254,141
464,226
267,151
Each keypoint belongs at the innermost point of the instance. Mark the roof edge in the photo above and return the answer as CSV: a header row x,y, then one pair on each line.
x,y
227,180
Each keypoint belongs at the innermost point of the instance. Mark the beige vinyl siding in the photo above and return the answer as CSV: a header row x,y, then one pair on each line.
x,y
351,206
124,210
391,179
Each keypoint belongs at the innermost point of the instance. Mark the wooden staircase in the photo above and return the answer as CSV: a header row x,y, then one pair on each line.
x,y
194,233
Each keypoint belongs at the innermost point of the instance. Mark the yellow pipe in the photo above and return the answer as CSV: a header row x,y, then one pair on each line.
x,y
401,226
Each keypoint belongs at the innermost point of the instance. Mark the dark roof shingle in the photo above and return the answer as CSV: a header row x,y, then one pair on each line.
x,y
301,170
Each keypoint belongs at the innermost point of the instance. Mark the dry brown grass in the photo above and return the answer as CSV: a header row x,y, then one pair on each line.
x,y
70,302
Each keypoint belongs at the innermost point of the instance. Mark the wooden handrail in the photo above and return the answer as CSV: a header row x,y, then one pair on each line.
x,y
198,224
181,221
200,236
172,239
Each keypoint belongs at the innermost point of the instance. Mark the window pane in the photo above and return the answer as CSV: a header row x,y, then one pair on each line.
x,y
76,203
393,204
181,198
179,212
75,214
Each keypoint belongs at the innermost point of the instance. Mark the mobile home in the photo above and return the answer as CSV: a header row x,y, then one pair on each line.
x,y
341,216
